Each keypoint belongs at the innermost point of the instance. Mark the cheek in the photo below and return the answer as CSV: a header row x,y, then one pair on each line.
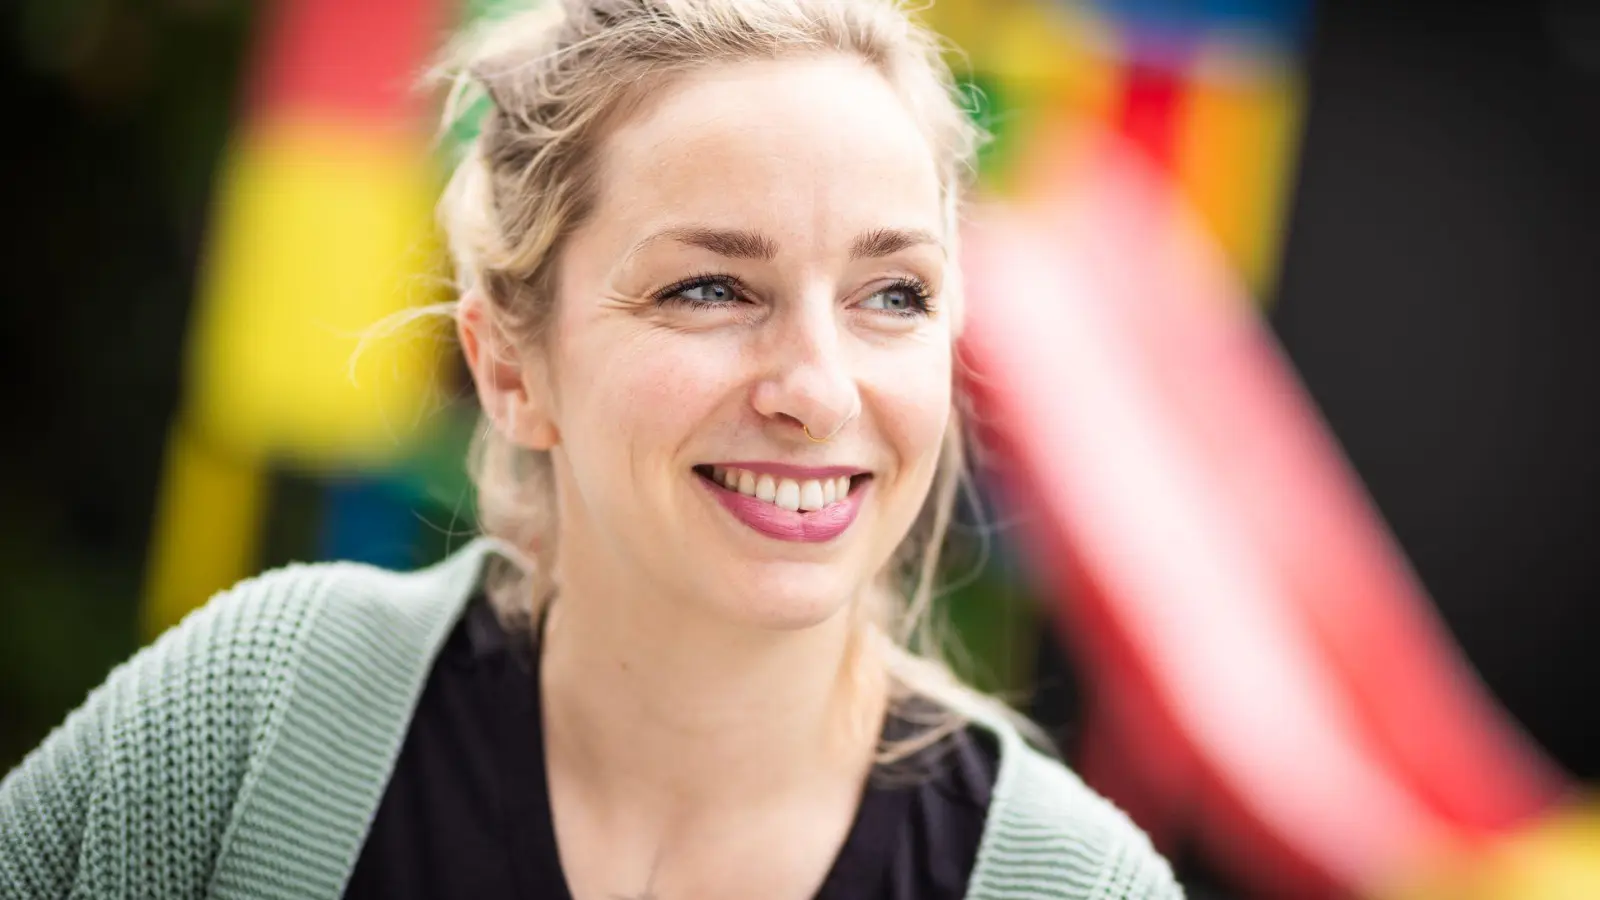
x,y
911,389
650,389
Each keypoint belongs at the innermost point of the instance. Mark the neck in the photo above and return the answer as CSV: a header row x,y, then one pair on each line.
x,y
656,706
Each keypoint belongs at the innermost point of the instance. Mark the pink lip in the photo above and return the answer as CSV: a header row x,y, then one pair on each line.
x,y
798,473
813,527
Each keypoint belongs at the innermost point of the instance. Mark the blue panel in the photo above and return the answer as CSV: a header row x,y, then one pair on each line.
x,y
1179,22
368,519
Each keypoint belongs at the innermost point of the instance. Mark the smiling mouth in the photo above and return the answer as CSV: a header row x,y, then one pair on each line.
x,y
794,494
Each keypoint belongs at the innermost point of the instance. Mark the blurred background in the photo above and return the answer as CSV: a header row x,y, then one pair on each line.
x,y
1285,314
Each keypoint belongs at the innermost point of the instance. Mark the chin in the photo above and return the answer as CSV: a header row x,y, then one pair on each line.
x,y
785,600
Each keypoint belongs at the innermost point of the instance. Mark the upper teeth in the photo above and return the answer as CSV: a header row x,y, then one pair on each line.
x,y
788,493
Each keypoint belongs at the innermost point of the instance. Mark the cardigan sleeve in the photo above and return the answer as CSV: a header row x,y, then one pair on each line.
x,y
131,794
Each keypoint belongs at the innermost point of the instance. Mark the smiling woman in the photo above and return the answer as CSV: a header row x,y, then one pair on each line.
x,y
706,258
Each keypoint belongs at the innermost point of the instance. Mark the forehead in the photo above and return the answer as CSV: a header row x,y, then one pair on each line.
x,y
810,150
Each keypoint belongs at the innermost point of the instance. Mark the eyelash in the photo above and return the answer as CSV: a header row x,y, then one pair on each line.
x,y
668,296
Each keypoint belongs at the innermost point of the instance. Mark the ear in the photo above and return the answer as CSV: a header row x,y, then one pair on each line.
x,y
512,384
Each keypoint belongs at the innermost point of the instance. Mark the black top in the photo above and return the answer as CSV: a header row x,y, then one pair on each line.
x,y
467,811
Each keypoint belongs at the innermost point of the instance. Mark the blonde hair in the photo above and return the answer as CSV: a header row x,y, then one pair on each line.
x,y
555,78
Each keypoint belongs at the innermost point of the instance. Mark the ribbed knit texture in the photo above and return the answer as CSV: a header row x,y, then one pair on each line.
x,y
244,753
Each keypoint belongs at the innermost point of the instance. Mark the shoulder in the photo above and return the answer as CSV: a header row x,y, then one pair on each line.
x,y
278,620
148,767
219,681
1050,833
366,640
286,637
252,637
204,748
234,653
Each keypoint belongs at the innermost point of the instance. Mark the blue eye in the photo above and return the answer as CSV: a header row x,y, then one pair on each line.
x,y
702,291
903,298
710,292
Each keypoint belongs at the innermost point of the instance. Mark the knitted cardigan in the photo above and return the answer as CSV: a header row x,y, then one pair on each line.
x,y
244,752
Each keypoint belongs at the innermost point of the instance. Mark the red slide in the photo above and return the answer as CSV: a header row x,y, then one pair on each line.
x,y
1265,671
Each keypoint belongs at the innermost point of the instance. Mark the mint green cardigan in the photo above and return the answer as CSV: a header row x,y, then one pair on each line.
x,y
243,754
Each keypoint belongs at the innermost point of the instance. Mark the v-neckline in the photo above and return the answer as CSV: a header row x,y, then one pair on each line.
x,y
857,872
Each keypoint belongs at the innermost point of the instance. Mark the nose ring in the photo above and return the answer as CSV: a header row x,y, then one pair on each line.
x,y
816,440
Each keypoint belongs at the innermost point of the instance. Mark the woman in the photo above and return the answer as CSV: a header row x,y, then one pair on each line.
x,y
708,293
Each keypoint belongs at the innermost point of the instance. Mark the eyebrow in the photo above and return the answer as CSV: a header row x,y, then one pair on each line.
x,y
888,241
739,243
736,244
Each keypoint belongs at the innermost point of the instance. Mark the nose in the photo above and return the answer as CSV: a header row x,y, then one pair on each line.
x,y
808,383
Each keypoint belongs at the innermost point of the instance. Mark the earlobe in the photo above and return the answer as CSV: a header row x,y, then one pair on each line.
x,y
508,387
528,422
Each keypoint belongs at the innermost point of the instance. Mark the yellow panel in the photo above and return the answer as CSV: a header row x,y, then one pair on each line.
x,y
1048,65
1235,151
206,531
1555,858
1015,42
961,20
321,232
